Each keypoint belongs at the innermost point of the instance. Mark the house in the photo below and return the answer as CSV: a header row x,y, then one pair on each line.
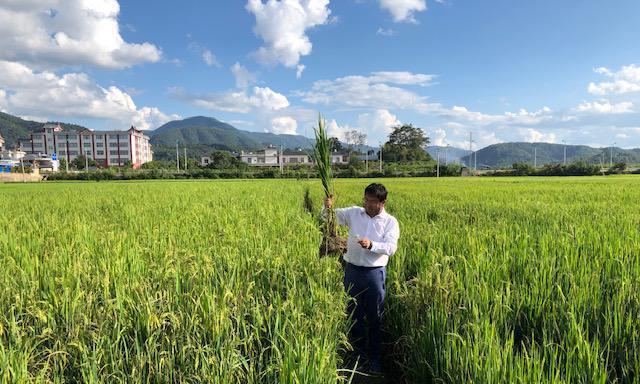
x,y
272,157
205,161
107,148
1,143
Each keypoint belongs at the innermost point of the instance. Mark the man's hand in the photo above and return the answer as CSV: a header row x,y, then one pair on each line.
x,y
328,202
365,243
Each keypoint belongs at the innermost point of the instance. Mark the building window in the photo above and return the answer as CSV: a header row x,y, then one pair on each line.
x,y
113,144
114,137
113,153
86,145
100,145
124,153
86,137
73,153
100,153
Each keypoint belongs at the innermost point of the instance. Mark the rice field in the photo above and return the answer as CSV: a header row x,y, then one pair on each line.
x,y
509,280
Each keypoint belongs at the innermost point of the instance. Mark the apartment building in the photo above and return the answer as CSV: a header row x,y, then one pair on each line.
x,y
107,148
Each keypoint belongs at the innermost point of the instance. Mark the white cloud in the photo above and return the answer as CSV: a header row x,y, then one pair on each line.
x,y
336,130
284,125
242,75
534,136
282,25
386,32
72,94
378,124
209,58
403,10
50,34
605,107
261,99
299,69
626,80
373,91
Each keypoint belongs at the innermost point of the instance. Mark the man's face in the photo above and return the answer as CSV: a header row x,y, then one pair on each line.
x,y
372,205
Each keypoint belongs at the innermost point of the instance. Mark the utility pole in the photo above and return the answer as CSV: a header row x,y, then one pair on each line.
x,y
281,159
564,160
366,162
446,154
23,176
438,166
177,157
380,162
470,148
611,158
535,157
185,158
86,162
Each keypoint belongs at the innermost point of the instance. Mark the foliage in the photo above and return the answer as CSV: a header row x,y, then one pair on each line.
x,y
406,143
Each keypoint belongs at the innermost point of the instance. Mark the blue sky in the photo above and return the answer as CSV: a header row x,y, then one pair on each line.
x,y
503,70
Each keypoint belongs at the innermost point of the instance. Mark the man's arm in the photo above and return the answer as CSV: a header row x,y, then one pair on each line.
x,y
389,243
342,214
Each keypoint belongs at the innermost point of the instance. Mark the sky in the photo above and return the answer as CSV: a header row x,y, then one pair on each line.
x,y
502,70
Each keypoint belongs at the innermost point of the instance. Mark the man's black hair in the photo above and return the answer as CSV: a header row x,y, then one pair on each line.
x,y
377,190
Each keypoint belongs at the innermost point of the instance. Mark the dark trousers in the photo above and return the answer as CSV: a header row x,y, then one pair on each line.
x,y
367,286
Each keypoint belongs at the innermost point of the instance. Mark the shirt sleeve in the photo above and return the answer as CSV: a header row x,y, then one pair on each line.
x,y
342,214
389,243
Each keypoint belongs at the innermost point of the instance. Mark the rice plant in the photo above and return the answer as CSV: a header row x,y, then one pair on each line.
x,y
495,280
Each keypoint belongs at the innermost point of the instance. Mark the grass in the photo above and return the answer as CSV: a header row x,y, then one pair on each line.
x,y
495,280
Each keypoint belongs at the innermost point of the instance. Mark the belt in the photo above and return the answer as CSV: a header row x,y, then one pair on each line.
x,y
362,268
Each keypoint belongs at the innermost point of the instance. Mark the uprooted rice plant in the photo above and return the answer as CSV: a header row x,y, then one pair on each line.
x,y
508,280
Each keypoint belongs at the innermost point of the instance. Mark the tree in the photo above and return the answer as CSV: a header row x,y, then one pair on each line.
x,y
224,160
355,139
335,144
80,161
406,143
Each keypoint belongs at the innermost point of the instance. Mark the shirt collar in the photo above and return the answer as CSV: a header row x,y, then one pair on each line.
x,y
382,215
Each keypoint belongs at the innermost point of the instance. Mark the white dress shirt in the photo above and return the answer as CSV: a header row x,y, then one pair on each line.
x,y
383,231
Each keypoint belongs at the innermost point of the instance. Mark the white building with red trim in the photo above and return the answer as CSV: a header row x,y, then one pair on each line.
x,y
107,148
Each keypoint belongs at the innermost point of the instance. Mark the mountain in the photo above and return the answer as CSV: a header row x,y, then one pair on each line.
x,y
13,128
505,154
210,131
203,134
448,154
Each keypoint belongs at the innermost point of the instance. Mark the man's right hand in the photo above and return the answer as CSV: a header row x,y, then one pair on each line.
x,y
328,202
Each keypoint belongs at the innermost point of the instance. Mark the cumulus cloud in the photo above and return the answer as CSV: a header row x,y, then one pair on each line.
x,y
534,136
72,94
605,107
242,101
378,123
50,34
242,75
209,58
336,130
282,25
403,10
377,91
626,80
284,125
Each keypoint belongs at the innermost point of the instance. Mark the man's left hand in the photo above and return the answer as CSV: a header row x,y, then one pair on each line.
x,y
364,243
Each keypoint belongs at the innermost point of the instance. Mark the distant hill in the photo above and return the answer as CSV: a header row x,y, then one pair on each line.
x,y
505,154
203,134
13,128
450,154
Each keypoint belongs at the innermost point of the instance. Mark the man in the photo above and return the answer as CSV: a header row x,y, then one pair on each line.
x,y
373,237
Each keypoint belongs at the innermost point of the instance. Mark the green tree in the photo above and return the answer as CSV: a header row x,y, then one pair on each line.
x,y
406,143
335,144
224,160
80,162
